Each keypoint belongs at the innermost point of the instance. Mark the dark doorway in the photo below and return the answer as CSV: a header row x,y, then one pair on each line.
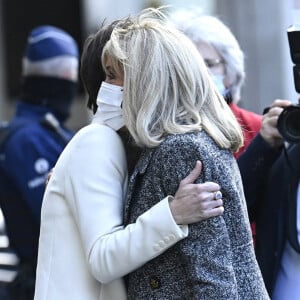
x,y
20,16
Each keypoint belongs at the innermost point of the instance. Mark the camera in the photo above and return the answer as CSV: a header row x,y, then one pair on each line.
x,y
288,124
289,120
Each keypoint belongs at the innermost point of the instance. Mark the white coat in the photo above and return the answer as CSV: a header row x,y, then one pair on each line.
x,y
83,249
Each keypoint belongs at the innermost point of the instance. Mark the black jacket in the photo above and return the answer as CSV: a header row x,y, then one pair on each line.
x,y
270,181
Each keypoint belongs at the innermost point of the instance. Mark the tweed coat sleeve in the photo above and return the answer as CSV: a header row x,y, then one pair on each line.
x,y
208,245
216,260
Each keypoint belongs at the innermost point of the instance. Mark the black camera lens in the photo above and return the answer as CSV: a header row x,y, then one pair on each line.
x,y
289,124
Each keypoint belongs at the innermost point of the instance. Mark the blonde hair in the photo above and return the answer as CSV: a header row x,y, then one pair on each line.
x,y
167,88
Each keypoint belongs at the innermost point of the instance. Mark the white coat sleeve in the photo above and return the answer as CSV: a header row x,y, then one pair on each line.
x,y
95,184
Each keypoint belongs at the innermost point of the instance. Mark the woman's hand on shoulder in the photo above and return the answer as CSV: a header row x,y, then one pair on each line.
x,y
195,202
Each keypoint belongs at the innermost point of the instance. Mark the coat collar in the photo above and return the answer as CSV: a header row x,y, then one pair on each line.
x,y
142,163
139,169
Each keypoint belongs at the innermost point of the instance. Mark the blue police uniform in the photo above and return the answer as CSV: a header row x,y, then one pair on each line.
x,y
25,160
32,142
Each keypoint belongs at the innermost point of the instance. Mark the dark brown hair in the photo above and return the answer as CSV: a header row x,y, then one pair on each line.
x,y
91,71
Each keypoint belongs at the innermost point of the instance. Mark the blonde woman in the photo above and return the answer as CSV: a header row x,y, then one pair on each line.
x,y
173,111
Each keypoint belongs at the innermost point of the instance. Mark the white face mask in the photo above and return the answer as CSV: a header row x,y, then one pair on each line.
x,y
109,102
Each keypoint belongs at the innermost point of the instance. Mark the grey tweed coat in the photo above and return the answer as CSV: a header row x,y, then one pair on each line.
x,y
216,261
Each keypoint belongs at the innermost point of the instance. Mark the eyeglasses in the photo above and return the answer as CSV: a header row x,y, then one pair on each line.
x,y
213,62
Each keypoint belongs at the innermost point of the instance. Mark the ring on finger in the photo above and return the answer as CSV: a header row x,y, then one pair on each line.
x,y
217,195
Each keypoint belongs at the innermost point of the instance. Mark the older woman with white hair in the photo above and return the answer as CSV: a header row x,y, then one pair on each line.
x,y
225,61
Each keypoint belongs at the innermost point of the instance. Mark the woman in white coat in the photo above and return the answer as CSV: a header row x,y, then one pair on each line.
x,y
84,250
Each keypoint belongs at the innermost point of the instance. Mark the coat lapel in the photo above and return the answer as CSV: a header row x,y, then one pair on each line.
x,y
139,170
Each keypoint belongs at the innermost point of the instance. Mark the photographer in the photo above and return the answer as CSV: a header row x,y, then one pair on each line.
x,y
270,170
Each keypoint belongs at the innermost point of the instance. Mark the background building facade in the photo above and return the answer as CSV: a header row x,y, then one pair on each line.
x,y
260,27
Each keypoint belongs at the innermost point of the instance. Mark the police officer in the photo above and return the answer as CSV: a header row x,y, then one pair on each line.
x,y
32,141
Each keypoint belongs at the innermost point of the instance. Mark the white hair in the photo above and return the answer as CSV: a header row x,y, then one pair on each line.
x,y
210,30
167,87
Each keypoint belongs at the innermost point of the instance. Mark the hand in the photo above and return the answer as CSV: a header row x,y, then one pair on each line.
x,y
195,202
269,131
